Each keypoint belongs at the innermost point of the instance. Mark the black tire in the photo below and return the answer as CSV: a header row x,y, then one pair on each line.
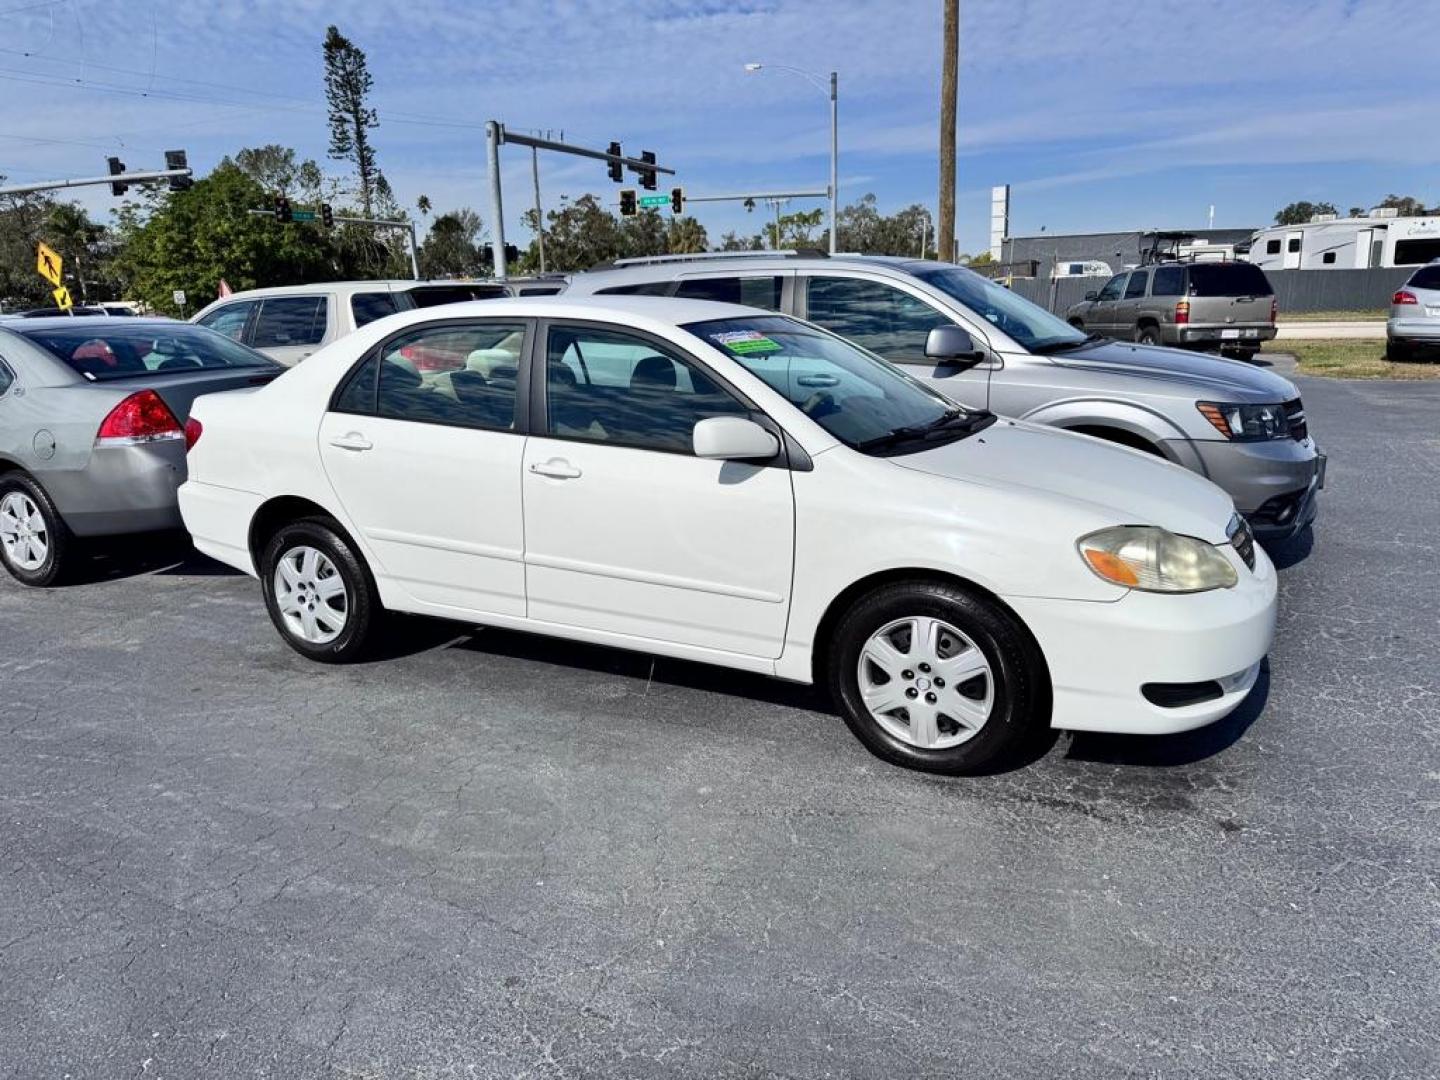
x,y
1148,335
1020,711
58,542
1400,352
362,610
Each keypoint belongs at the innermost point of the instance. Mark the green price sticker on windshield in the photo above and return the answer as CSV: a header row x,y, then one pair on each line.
x,y
744,342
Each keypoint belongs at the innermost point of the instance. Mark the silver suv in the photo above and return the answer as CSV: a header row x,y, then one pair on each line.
x,y
1414,323
1228,306
1242,427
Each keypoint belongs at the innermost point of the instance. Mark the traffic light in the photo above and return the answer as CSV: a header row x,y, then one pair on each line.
x,y
677,200
617,170
512,254
116,168
647,176
628,206
327,215
175,159
282,209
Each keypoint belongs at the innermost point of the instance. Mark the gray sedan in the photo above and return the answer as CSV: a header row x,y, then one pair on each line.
x,y
93,428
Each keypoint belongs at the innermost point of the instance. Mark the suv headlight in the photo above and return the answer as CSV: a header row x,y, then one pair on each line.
x,y
1251,423
1156,560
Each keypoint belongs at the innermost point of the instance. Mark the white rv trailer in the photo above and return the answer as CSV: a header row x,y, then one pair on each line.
x,y
1331,243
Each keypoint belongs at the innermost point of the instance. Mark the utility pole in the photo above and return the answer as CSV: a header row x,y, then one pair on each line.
x,y
539,213
949,82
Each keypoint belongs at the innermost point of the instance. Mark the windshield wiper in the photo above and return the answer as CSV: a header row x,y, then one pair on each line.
x,y
965,421
1062,346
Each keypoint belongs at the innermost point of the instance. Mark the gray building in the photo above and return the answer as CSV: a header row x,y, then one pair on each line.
x,y
1116,249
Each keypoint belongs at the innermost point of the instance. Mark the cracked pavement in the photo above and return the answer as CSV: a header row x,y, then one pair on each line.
x,y
497,855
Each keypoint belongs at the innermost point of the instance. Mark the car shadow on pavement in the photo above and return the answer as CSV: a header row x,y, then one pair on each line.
x,y
1167,751
120,557
1287,553
640,666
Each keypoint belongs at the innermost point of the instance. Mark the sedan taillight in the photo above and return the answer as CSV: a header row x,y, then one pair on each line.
x,y
193,431
1403,297
143,417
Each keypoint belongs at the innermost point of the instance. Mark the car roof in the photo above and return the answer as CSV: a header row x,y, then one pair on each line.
x,y
317,287
91,323
637,310
671,269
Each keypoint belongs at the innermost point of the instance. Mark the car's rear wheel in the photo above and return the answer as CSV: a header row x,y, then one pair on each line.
x,y
934,677
34,542
1401,352
318,592
1148,335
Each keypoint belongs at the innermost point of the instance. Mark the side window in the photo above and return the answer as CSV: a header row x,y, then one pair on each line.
x,y
1136,286
879,317
366,307
290,320
1293,244
1272,247
1328,257
539,290
230,320
6,379
612,387
760,292
1111,291
644,288
463,375
1169,281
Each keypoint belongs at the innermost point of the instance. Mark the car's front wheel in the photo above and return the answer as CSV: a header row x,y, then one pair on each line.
x,y
935,677
318,592
34,542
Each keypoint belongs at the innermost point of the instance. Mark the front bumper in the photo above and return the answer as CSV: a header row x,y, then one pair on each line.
x,y
1264,478
1225,336
121,489
1100,655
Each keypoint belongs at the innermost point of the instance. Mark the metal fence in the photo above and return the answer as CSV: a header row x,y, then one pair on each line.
x,y
1295,290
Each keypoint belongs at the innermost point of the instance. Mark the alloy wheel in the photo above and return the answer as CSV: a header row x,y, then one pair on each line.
x,y
311,595
24,536
926,683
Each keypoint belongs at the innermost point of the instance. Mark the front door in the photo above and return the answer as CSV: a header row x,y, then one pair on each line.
x,y
1101,316
421,448
626,531
893,323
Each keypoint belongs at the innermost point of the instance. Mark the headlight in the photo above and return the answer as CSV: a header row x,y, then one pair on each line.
x,y
1246,422
1154,560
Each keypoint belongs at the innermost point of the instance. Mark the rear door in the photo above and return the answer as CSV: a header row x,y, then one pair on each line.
x,y
1127,308
290,328
1234,296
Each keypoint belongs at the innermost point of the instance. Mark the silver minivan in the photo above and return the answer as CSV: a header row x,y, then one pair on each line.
x,y
1240,426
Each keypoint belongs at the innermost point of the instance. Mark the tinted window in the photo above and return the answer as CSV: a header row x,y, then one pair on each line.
x,y
1136,286
229,320
125,348
847,392
1272,247
539,290
1409,252
1328,257
369,306
1293,244
877,316
1169,281
1228,279
357,395
1111,291
647,288
761,292
461,375
605,386
434,295
290,320
1426,278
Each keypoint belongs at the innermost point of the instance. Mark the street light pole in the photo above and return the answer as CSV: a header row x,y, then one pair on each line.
x,y
833,90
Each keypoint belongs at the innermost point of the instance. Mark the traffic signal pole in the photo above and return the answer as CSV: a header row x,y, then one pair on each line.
x,y
89,181
496,136
408,227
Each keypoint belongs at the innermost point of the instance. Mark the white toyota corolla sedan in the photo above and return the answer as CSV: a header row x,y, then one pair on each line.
x,y
710,482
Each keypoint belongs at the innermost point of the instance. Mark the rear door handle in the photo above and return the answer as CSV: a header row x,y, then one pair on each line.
x,y
352,440
558,468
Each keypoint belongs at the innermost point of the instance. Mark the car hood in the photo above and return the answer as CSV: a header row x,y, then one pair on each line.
x,y
1122,486
1220,379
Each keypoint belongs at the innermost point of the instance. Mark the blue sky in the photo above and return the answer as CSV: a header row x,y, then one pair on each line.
x,y
1100,115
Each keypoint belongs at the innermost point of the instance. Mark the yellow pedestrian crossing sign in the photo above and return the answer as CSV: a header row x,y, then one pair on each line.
x,y
62,298
48,264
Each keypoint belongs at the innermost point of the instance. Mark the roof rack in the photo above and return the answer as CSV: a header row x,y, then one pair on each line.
x,y
706,256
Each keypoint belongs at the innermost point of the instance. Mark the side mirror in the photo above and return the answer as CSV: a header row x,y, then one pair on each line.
x,y
732,438
1092,295
953,346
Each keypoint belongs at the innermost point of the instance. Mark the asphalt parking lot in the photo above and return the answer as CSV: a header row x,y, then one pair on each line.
x,y
494,855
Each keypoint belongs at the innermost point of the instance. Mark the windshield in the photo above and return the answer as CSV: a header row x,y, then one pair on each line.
x,y
855,396
1032,327
125,349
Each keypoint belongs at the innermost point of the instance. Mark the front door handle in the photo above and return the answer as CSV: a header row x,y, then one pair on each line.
x,y
558,468
352,440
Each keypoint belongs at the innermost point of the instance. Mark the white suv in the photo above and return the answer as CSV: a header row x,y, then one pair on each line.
x,y
709,482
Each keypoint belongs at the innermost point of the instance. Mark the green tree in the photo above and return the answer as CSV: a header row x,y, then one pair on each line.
x,y
347,88
1298,213
22,220
451,248
685,236
191,239
861,227
733,241
1407,205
